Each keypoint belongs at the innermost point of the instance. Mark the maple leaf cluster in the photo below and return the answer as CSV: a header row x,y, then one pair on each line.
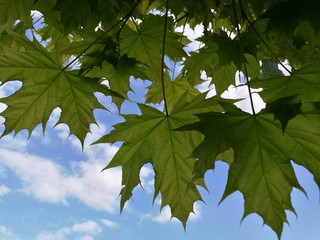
x,y
62,51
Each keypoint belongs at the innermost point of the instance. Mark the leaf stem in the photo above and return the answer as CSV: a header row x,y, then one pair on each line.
x,y
251,24
163,55
122,20
175,62
243,57
135,24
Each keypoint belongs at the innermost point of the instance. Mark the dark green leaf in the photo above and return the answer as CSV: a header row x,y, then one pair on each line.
x,y
284,109
262,155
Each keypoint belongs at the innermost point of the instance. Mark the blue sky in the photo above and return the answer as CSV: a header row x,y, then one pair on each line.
x,y
51,190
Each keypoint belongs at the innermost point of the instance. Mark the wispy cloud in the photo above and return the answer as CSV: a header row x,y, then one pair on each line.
x,y
82,231
165,215
7,234
51,182
108,223
4,190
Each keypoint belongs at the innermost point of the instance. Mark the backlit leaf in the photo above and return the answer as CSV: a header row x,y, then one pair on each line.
x,y
149,138
174,90
261,168
11,10
145,44
302,83
46,85
284,109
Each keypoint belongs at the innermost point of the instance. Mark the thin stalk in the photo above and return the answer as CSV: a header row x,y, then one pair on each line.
x,y
243,57
135,24
122,20
251,24
186,15
36,21
162,57
175,63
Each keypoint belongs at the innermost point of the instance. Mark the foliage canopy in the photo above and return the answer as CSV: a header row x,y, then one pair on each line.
x,y
63,51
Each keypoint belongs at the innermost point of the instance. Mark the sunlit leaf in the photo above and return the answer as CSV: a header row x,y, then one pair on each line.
x,y
302,83
11,10
145,43
46,85
261,168
174,89
149,138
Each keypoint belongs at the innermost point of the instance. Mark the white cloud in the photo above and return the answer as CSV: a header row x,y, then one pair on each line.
x,y
192,34
50,182
4,190
7,234
88,227
94,152
17,143
165,214
81,231
196,212
242,92
147,178
51,236
86,238
108,223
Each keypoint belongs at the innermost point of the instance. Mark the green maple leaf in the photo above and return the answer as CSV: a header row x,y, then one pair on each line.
x,y
46,85
261,167
284,109
102,48
118,75
74,13
149,138
223,77
204,60
220,59
145,44
302,83
198,11
11,10
174,90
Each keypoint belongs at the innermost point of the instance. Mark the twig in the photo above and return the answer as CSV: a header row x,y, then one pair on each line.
x,y
243,57
162,57
124,20
251,25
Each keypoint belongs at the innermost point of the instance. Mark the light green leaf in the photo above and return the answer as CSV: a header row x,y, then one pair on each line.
x,y
220,59
118,75
174,90
149,139
223,77
11,10
145,44
252,65
46,85
204,60
302,83
261,169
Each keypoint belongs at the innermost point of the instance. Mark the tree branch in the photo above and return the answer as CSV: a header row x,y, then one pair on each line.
x,y
163,55
242,55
